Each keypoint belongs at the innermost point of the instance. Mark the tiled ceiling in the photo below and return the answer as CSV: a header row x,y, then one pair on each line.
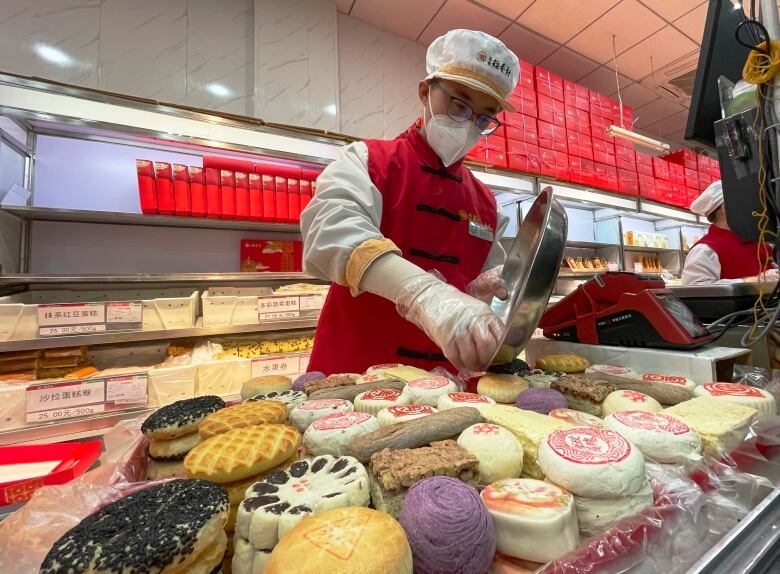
x,y
573,38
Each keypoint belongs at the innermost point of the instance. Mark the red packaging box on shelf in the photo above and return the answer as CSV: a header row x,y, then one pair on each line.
x,y
691,178
628,182
660,168
525,77
147,190
227,163
554,164
269,200
549,84
663,190
523,105
552,137
491,150
163,176
581,170
280,199
197,191
605,176
522,128
704,180
524,92
272,256
213,194
702,163
599,126
625,158
522,156
628,117
227,186
294,199
551,110
181,190
305,188
577,120
647,189
677,157
715,170
622,142
255,197
242,195
576,96
679,195
691,194
579,145
604,152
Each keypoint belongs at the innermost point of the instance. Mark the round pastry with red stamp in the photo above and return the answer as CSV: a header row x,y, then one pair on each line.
x,y
669,380
402,413
454,400
613,370
331,434
373,401
659,436
373,377
592,462
744,395
499,452
577,418
427,390
309,411
382,366
629,400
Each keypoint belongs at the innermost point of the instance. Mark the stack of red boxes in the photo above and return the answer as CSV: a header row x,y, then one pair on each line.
x,y
553,148
698,171
226,189
522,130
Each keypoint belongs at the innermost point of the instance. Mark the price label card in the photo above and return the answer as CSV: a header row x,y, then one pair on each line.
x,y
85,318
276,365
125,314
64,395
71,330
127,389
67,413
312,302
274,308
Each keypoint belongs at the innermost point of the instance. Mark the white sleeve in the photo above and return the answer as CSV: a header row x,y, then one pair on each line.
x,y
702,267
345,211
497,255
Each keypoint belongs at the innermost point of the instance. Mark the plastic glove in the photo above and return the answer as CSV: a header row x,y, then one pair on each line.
x,y
488,285
465,329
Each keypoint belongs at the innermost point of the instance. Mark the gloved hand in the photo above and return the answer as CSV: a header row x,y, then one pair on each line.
x,y
465,329
488,285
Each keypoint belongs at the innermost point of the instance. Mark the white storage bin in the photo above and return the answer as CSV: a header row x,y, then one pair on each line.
x,y
224,306
171,384
163,309
222,378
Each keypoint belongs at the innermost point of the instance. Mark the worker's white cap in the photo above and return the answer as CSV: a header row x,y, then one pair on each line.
x,y
710,199
477,60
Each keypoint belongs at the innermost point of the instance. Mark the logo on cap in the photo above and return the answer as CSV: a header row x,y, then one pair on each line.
x,y
481,56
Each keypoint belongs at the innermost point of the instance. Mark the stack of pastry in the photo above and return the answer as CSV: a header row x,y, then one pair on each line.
x,y
238,458
173,432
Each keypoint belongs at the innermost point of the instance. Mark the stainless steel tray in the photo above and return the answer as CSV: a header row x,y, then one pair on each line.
x,y
530,272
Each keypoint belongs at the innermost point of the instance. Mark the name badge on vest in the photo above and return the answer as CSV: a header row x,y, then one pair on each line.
x,y
481,231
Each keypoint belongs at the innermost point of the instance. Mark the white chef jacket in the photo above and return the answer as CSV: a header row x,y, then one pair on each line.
x,y
346,211
702,267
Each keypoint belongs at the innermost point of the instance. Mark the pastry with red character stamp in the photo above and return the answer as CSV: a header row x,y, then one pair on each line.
x,y
454,400
744,395
499,452
659,436
629,400
331,434
427,390
375,400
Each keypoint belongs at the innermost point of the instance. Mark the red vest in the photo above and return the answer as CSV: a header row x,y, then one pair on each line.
x,y
738,258
425,212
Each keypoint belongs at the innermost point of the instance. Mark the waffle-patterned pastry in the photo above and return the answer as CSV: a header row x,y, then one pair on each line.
x,y
242,415
177,526
563,363
242,452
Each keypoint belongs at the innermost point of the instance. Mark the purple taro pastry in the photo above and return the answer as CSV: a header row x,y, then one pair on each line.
x,y
448,527
541,401
307,378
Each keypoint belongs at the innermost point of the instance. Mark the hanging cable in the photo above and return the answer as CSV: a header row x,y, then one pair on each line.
x,y
617,80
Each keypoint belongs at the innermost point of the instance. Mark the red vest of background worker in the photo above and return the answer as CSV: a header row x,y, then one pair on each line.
x,y
406,233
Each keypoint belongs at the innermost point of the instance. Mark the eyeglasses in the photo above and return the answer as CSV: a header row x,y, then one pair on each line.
x,y
461,112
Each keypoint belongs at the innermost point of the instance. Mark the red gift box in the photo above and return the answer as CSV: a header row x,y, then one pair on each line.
x,y
227,163
242,195
181,190
554,164
551,110
522,128
581,170
197,191
522,156
705,179
628,117
676,157
679,195
715,171
294,200
599,125
577,120
702,163
163,178
626,158
255,197
227,186
269,256
491,150
524,106
579,145
213,194
660,168
552,137
663,190
576,96
691,178
269,199
525,77
604,152
628,182
643,158
605,175
549,84
524,92
647,189
147,190
305,188
280,199
308,191
691,194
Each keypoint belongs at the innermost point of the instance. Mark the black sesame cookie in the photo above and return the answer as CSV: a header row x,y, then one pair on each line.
x,y
173,449
168,527
180,418
513,367
291,398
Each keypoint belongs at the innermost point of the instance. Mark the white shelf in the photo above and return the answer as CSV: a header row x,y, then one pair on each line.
x,y
638,249
205,279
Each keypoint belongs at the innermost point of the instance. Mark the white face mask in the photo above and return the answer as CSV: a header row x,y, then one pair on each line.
x,y
450,140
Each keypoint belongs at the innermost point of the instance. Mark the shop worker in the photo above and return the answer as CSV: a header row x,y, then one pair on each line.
x,y
408,236
722,255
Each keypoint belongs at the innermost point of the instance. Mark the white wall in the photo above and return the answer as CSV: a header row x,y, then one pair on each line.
x,y
286,61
